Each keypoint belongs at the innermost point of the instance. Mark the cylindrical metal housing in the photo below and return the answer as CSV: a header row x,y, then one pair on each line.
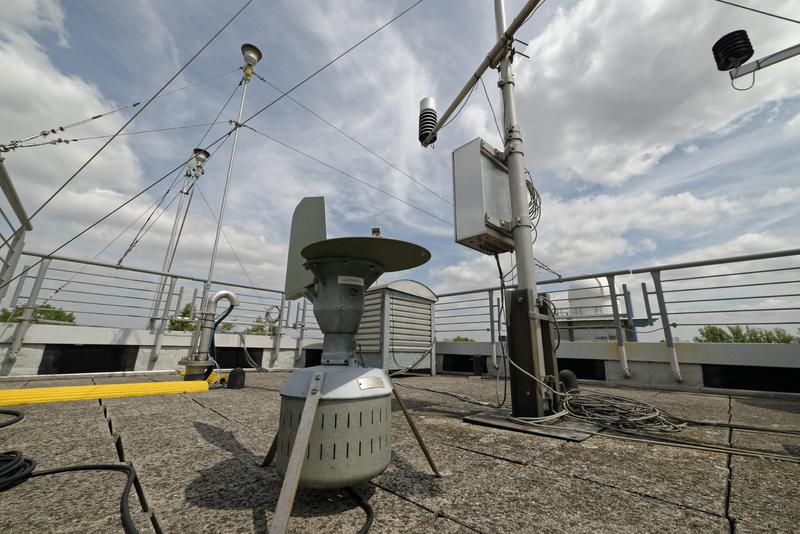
x,y
427,118
351,432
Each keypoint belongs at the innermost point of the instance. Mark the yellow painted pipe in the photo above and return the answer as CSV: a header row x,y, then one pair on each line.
x,y
104,391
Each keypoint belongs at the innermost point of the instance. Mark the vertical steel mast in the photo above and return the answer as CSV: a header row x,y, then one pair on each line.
x,y
199,358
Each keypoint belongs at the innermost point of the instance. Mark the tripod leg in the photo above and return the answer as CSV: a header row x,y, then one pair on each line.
x,y
291,480
416,433
273,449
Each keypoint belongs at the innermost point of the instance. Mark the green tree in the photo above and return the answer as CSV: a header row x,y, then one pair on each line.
x,y
183,325
462,339
258,328
44,312
737,334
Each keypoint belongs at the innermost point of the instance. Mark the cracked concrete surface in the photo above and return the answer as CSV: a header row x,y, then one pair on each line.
x,y
197,458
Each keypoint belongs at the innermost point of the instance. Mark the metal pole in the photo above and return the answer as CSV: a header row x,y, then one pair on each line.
x,y
662,310
276,341
27,314
416,433
7,186
169,256
18,289
162,325
302,323
12,259
623,357
492,336
629,313
206,321
523,243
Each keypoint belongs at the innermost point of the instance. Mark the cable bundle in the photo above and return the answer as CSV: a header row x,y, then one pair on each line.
x,y
615,412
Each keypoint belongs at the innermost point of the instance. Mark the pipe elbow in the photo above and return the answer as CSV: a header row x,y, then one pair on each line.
x,y
230,296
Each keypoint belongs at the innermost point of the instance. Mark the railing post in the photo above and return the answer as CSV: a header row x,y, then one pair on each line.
x,y
302,323
12,259
196,331
492,335
27,314
626,295
179,302
18,289
647,309
276,341
162,325
623,357
662,310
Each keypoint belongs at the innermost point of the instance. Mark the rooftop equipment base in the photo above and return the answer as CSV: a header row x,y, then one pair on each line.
x,y
499,418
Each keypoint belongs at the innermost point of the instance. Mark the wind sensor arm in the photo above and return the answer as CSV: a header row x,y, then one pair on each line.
x,y
491,59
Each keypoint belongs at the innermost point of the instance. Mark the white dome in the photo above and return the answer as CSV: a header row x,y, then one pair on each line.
x,y
589,297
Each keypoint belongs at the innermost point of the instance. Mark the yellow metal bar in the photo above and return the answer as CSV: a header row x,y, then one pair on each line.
x,y
105,391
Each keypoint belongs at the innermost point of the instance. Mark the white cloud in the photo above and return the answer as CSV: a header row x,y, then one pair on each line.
x,y
780,197
613,85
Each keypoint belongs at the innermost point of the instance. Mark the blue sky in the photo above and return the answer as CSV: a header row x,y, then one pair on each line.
x,y
642,150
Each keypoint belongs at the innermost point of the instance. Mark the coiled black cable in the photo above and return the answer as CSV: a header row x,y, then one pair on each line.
x,y
16,469
362,502
16,417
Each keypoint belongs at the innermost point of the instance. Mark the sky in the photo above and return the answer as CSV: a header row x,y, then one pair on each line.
x,y
642,151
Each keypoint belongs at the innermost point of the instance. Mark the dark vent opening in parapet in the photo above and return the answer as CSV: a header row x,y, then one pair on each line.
x,y
65,359
458,363
584,369
232,357
781,379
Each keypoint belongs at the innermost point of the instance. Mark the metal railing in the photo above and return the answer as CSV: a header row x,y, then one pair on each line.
x,y
673,300
754,290
73,291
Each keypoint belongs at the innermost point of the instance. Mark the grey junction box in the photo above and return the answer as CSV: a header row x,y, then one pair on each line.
x,y
482,199
397,327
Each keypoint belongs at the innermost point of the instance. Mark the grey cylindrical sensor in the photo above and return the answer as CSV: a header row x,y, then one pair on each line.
x,y
427,118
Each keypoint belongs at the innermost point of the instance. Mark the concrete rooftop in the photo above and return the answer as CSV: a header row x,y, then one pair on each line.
x,y
197,458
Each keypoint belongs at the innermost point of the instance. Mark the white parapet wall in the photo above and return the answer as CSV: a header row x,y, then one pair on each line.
x,y
649,362
174,346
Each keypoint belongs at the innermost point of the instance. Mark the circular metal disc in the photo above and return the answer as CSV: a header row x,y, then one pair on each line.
x,y
392,254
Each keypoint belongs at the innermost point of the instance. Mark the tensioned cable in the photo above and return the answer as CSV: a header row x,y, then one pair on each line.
x,y
767,13
142,230
354,140
109,214
344,173
144,106
224,136
494,115
63,141
325,66
44,133
238,259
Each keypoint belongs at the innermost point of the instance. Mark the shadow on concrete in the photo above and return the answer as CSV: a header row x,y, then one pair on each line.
x,y
422,406
240,483
787,406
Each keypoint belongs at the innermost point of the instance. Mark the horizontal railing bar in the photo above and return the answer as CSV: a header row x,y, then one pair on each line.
x,y
97,284
732,298
720,261
461,322
47,299
734,286
90,273
730,274
439,307
464,330
738,324
485,314
735,310
460,301
58,290
145,271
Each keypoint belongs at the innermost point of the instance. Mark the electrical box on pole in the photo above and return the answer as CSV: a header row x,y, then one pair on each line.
x,y
482,199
